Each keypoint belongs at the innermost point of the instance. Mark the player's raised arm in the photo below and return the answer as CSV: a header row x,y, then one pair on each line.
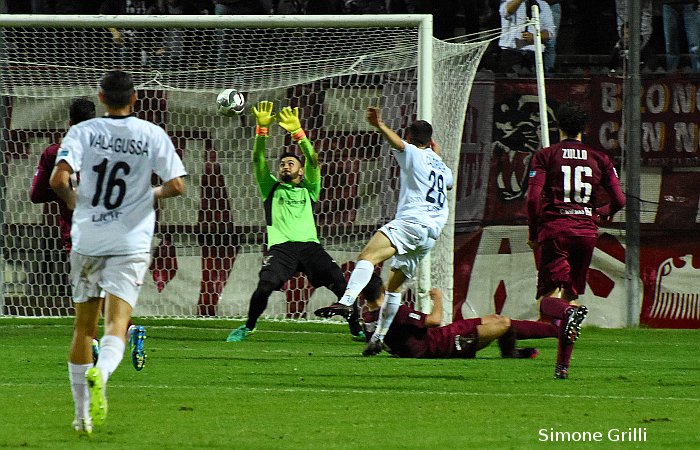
x,y
374,118
289,120
263,119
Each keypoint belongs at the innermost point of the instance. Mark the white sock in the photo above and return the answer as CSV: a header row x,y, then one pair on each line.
x,y
79,388
359,278
392,301
111,354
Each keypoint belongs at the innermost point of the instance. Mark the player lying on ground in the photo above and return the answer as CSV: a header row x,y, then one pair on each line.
x,y
565,180
414,334
292,240
421,214
80,109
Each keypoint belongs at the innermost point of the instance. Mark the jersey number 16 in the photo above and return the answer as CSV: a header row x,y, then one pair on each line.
x,y
575,184
113,182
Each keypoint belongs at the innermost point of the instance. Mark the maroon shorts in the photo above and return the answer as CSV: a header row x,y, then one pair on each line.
x,y
563,263
456,340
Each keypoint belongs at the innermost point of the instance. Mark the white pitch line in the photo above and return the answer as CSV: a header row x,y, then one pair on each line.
x,y
376,392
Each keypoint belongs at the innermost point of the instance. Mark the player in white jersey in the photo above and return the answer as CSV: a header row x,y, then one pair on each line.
x,y
113,222
420,216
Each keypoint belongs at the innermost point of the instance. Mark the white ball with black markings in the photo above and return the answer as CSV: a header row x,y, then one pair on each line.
x,y
230,103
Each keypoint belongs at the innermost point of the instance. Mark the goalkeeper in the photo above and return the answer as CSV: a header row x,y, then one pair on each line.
x,y
292,241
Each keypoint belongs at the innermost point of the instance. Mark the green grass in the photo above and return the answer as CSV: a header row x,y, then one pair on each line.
x,y
306,386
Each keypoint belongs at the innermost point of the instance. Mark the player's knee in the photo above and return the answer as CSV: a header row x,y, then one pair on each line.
x,y
265,289
337,284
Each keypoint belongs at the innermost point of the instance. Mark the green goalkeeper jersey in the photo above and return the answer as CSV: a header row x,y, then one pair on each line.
x,y
288,208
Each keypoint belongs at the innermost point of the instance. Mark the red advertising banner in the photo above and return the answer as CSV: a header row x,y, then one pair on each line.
x,y
516,138
495,253
670,114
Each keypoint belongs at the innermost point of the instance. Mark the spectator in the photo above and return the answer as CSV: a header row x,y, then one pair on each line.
x,y
689,11
38,7
472,10
324,7
132,46
365,6
225,38
620,50
73,49
550,45
170,53
516,41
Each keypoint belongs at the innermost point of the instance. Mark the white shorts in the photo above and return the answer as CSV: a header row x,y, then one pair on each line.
x,y
412,242
120,275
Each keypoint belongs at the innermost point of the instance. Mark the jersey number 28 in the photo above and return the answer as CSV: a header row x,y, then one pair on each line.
x,y
436,193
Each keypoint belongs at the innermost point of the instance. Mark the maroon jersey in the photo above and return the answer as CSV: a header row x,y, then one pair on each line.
x,y
564,180
41,192
408,337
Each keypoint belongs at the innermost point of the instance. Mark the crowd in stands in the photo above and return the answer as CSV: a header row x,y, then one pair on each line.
x,y
578,37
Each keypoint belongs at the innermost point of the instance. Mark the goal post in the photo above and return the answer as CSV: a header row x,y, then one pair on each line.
x,y
209,244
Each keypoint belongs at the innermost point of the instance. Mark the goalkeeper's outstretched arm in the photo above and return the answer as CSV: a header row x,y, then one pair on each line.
x,y
289,120
263,119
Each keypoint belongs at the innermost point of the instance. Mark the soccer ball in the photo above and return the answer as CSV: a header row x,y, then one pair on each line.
x,y
230,103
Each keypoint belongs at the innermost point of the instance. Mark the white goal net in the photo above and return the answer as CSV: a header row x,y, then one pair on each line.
x,y
209,244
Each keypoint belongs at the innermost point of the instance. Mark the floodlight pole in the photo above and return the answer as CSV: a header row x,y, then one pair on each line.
x,y
633,141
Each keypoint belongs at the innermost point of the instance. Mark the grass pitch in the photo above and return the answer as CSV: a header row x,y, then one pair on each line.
x,y
306,386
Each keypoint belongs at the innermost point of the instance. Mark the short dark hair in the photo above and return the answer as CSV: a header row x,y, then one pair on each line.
x,y
420,132
117,87
81,109
291,155
373,290
572,118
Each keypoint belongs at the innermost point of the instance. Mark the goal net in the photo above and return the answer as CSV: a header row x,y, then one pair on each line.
x,y
209,244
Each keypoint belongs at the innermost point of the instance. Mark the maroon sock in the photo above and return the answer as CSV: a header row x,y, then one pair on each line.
x,y
564,352
554,307
528,329
507,343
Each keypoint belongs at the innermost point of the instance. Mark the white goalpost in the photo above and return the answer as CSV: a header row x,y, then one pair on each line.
x,y
209,244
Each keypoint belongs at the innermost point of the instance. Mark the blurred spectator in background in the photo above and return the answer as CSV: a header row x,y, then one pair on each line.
x,y
38,7
445,14
132,46
673,12
365,7
473,9
620,51
228,53
325,6
71,6
169,55
550,45
517,42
